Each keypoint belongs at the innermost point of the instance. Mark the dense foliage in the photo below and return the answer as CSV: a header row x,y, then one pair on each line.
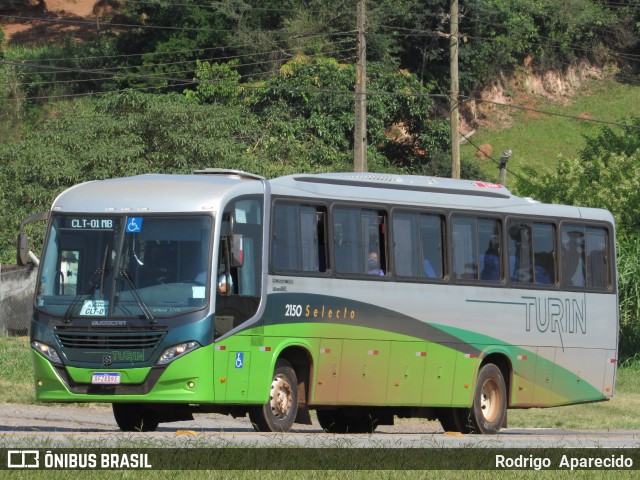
x,y
299,120
605,174
497,37
267,86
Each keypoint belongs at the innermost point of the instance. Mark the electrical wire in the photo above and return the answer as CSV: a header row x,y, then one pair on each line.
x,y
110,73
490,157
195,50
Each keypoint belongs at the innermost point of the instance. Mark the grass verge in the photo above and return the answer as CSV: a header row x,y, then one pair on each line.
x,y
537,139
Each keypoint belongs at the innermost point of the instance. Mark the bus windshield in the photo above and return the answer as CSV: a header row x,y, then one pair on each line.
x,y
125,267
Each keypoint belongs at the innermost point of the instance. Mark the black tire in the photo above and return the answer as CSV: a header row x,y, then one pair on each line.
x,y
489,410
279,413
339,421
454,419
133,417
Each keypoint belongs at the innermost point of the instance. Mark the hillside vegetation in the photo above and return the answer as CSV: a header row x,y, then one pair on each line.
x,y
268,86
539,138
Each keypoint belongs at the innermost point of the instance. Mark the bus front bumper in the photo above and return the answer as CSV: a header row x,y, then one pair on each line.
x,y
188,379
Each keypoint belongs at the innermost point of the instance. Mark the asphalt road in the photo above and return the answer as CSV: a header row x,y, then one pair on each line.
x,y
88,425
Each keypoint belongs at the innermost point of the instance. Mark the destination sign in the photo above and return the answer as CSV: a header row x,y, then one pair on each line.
x,y
87,223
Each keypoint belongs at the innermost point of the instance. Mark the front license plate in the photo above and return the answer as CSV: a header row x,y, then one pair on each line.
x,y
105,378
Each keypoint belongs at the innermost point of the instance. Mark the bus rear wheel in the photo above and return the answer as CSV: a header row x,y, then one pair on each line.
x,y
489,407
338,421
279,413
133,417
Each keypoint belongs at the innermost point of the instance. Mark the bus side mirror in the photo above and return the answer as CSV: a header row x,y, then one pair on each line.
x,y
225,285
23,249
237,253
23,254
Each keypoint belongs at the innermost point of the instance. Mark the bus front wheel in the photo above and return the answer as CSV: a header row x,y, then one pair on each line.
x,y
279,413
133,417
489,402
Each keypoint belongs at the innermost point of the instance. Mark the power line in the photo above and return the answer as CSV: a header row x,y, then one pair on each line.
x,y
124,76
198,49
179,62
490,157
336,46
182,81
112,72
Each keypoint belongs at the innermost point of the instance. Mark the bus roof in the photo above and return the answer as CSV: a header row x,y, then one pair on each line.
x,y
152,193
424,192
206,190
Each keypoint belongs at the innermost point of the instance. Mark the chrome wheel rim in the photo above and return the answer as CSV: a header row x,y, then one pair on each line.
x,y
490,400
281,397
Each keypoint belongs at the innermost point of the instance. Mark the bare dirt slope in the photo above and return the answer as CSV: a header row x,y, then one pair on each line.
x,y
36,22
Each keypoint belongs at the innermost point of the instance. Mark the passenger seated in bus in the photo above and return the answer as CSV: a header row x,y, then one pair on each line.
x,y
544,268
373,264
429,272
490,262
542,276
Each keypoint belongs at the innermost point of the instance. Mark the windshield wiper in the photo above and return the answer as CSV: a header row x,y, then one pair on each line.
x,y
101,270
124,273
76,300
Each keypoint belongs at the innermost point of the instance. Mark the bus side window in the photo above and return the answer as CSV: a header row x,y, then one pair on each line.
x,y
532,256
417,245
298,242
544,254
373,231
597,258
489,243
573,253
346,240
406,244
358,239
520,252
476,249
464,248
585,258
431,240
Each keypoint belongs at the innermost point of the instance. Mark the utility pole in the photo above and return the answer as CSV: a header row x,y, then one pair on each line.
x,y
360,131
503,166
453,101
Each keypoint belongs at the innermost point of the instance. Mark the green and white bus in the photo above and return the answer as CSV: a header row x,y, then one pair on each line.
x,y
361,296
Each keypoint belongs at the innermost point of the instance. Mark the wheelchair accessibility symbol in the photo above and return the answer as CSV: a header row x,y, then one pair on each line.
x,y
134,224
239,359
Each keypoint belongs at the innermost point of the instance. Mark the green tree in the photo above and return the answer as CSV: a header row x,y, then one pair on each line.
x,y
217,83
119,135
131,133
605,174
318,94
311,102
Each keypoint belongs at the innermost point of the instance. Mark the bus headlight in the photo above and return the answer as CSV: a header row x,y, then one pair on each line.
x,y
47,351
171,353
